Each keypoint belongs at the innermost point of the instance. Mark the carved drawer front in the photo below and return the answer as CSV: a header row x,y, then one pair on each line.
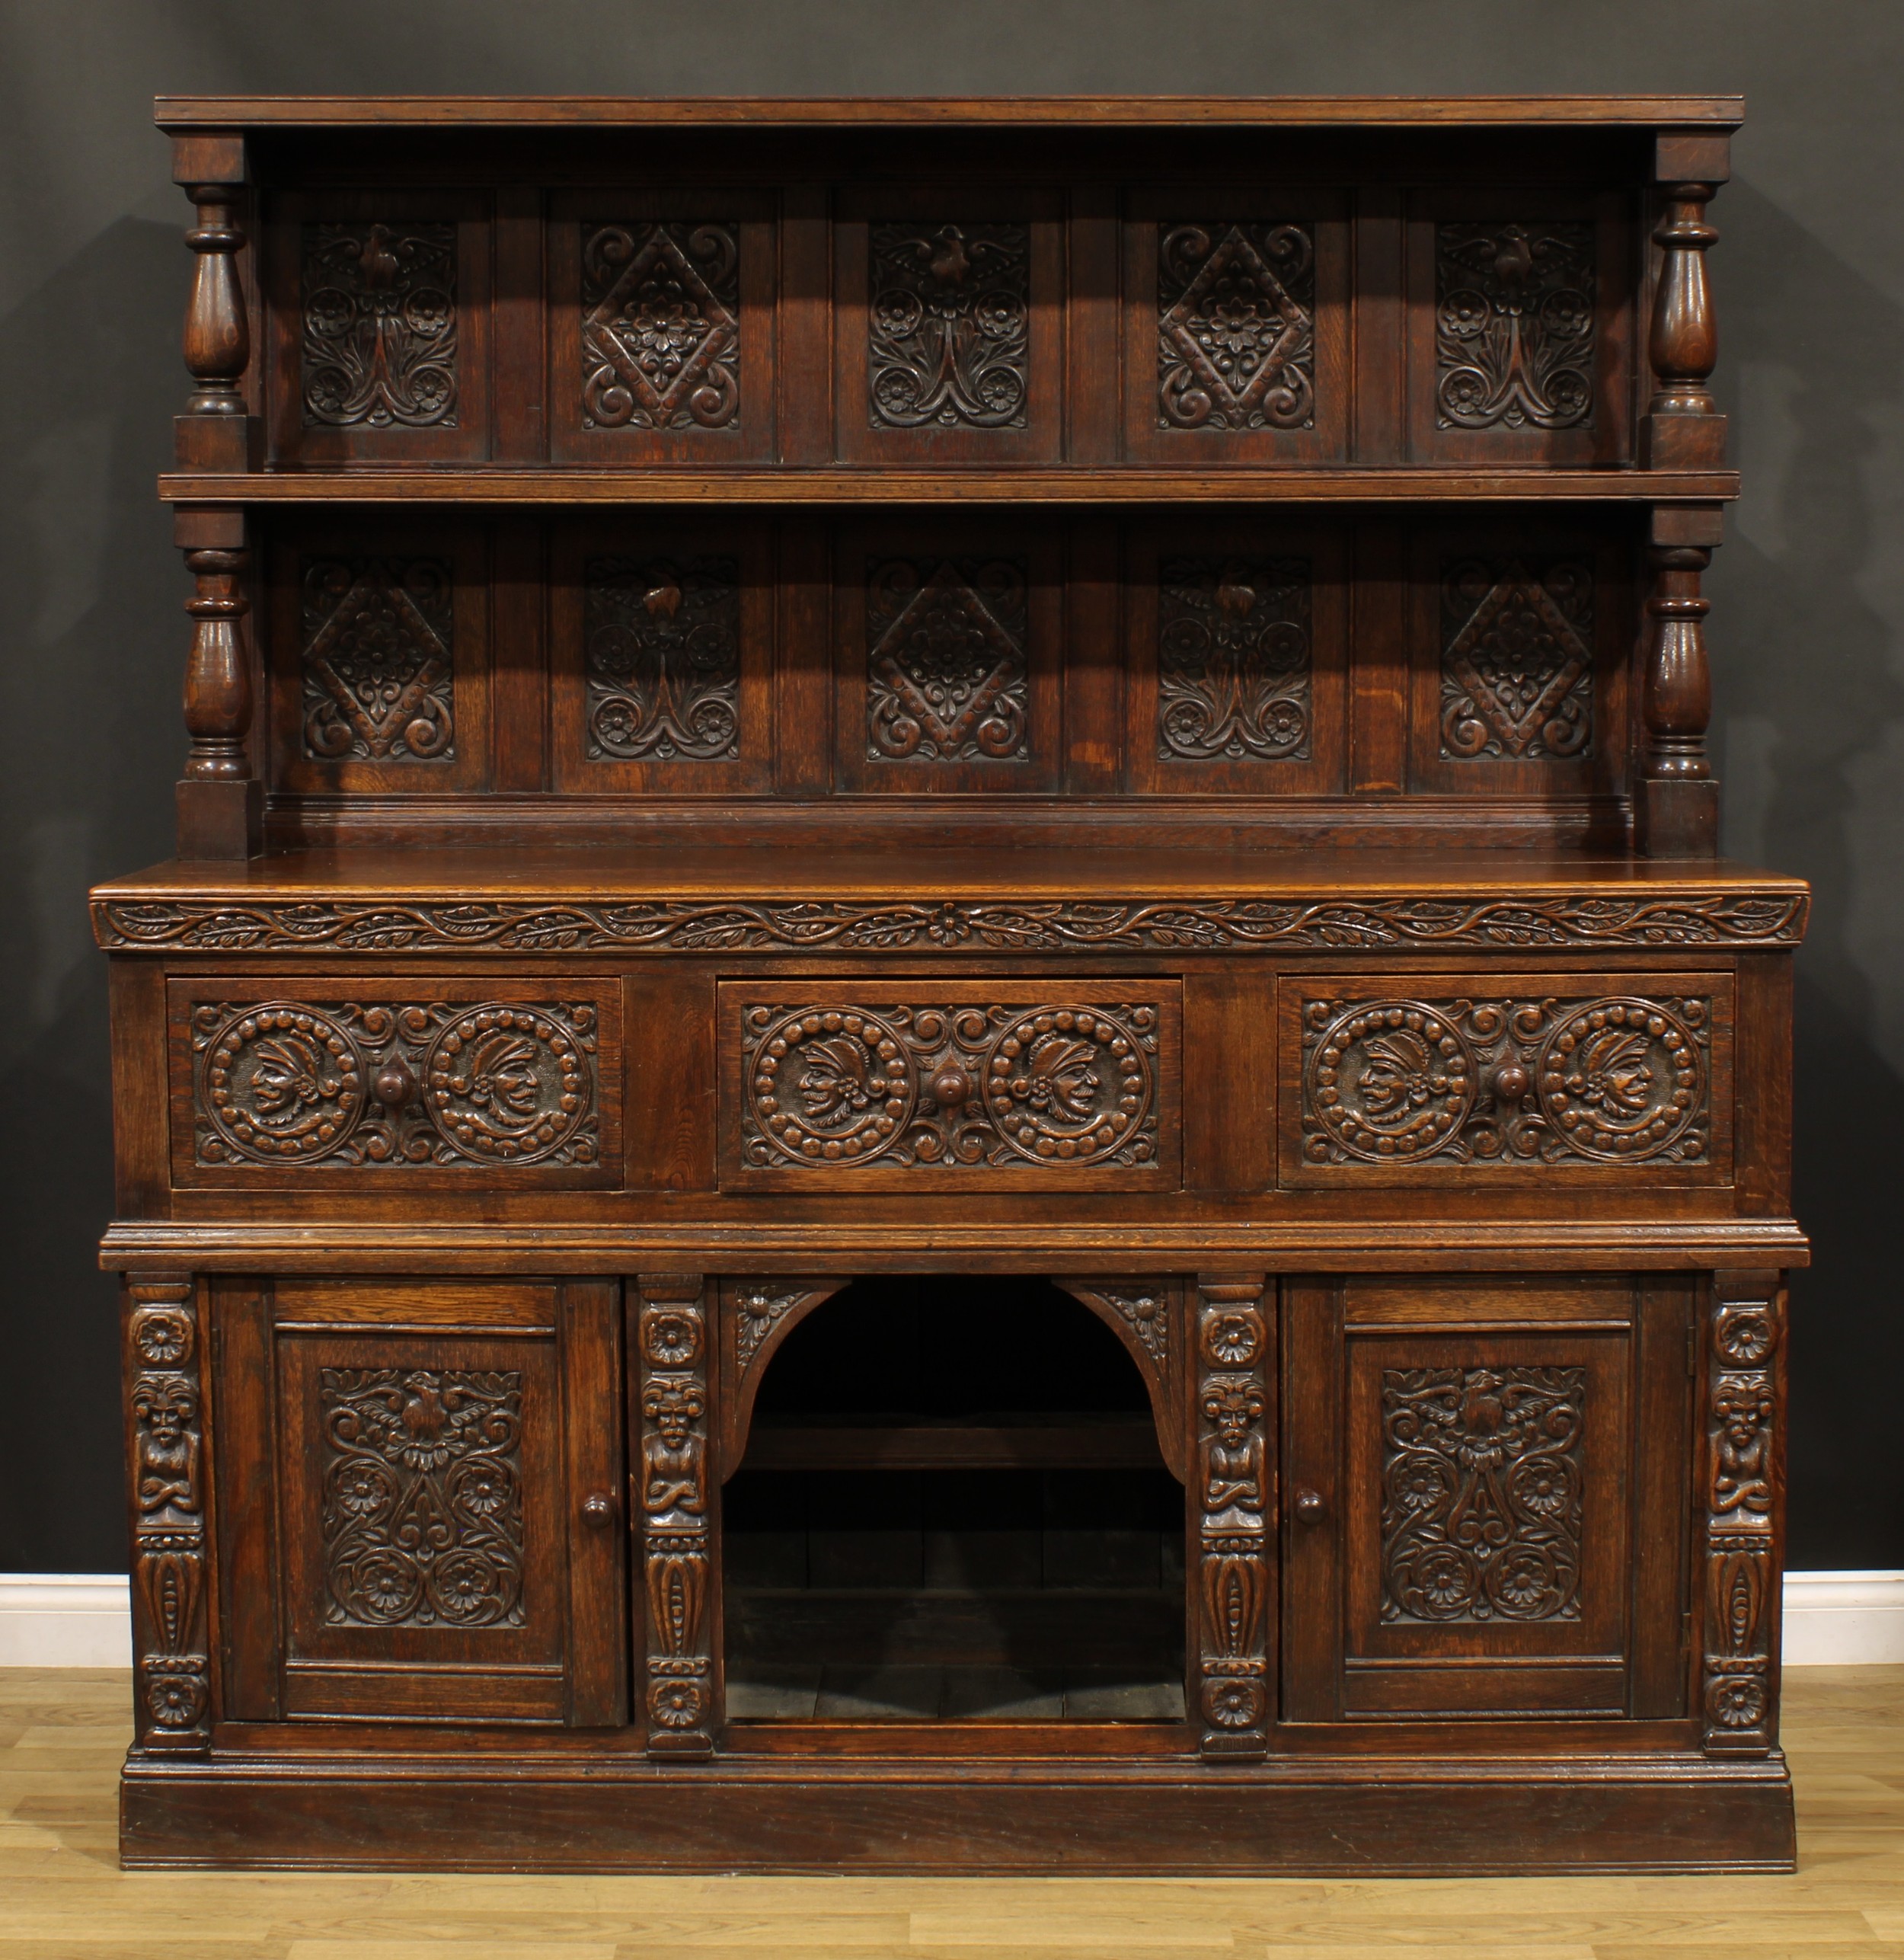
x,y
1471,1461
974,1085
446,1457
390,1083
1500,1078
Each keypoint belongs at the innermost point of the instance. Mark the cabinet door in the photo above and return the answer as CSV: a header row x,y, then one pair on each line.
x,y
423,1505
1488,1497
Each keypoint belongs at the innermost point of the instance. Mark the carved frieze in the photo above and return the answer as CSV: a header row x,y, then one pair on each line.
x,y
1235,326
1514,325
947,679
1587,921
423,1497
663,641
660,326
355,1084
900,1084
377,658
1233,659
1498,1083
1482,1490
166,1449
379,311
948,326
1516,658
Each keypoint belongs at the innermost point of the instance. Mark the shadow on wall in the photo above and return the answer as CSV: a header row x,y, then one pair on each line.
x,y
1809,696
90,593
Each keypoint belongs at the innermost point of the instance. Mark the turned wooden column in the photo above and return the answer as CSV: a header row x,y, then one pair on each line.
x,y
216,432
1676,800
220,802
1682,428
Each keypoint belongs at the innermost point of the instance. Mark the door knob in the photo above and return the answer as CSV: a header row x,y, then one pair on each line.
x,y
598,1509
1309,1509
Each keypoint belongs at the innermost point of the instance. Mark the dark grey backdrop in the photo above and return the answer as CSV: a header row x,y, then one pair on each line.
x,y
1808,592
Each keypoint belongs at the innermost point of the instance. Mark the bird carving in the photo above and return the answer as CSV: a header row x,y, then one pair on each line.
x,y
949,263
1514,259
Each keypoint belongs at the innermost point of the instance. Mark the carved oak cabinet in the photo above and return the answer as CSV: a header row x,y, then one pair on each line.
x,y
946,1070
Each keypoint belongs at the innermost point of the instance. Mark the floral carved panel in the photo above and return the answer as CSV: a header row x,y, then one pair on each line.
x,y
423,1500
948,326
1514,329
660,326
1235,326
378,659
1233,659
1482,1488
947,677
1516,658
663,641
379,318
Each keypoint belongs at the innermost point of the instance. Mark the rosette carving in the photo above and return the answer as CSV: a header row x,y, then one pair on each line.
x,y
1235,327
1517,658
378,659
660,326
946,675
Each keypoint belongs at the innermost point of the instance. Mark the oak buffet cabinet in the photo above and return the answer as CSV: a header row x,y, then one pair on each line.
x,y
946,1070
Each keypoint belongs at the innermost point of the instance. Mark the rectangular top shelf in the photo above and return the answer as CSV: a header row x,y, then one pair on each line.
x,y
184,114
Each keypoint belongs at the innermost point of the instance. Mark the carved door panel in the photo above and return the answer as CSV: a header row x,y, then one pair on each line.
x,y
1485,1497
425,1514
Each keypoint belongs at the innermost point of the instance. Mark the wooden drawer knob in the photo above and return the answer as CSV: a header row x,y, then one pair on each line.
x,y
598,1509
1310,1508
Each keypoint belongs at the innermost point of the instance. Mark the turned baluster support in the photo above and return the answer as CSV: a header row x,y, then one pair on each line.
x,y
215,432
1676,808
1682,428
220,801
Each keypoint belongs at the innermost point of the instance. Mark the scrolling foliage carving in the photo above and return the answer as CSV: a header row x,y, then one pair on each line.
x,y
660,326
1517,658
663,648
1514,325
423,1497
1505,1082
1742,1474
378,667
1235,327
948,326
360,1085
1482,1479
1233,1494
380,326
165,1408
947,678
901,1084
677,1498
1233,659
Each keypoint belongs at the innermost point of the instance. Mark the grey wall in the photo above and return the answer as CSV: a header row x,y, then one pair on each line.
x,y
1808,625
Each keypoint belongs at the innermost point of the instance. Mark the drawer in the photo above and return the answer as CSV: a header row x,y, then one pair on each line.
x,y
277,1082
1506,1078
971,1085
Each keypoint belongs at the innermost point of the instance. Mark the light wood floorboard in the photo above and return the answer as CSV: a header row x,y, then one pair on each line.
x,y
62,1896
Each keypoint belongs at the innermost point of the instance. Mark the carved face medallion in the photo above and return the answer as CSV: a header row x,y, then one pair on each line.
x,y
506,1084
283,1081
1390,1081
1621,1079
833,1087
1067,1083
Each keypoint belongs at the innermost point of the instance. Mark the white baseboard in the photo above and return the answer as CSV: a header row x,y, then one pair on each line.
x,y
79,1619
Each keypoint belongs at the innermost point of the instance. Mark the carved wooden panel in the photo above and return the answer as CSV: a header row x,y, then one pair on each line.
x,y
970,1086
1517,658
948,324
1507,1077
379,320
166,1449
392,1082
378,655
660,325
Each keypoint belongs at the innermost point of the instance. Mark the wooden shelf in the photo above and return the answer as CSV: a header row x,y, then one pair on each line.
x,y
1073,485
1083,1443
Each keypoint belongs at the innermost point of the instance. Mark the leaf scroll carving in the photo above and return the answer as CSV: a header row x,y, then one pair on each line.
x,y
1236,329
1517,658
1514,325
1233,659
660,326
379,658
948,326
946,672
663,650
380,326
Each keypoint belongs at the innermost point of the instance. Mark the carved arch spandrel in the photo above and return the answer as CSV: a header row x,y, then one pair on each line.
x,y
1147,1315
756,1314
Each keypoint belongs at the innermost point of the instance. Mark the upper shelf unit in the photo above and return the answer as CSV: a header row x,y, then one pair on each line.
x,y
584,300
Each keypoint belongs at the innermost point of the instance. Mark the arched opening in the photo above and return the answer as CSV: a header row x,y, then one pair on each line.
x,y
953,1505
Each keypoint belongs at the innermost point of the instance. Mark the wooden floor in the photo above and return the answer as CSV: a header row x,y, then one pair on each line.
x,y
62,1734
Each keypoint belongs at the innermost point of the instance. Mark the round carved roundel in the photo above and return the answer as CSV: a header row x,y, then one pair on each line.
x,y
1391,1080
506,1085
1620,1079
833,1087
282,1083
1069,1083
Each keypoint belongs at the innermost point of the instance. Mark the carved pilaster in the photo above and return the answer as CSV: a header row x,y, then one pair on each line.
x,y
1744,1502
1677,806
220,802
1232,1495
165,1422
216,433
1683,429
678,1494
